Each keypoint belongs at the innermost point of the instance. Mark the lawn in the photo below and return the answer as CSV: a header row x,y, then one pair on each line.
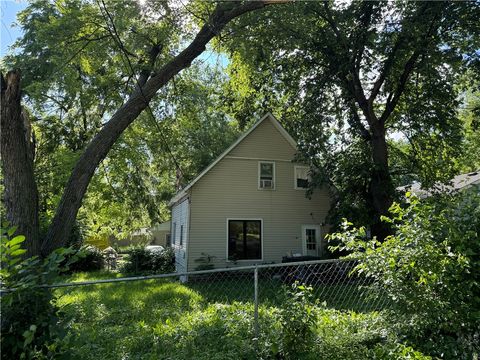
x,y
160,319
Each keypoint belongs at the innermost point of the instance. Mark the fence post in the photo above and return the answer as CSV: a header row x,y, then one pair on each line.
x,y
255,314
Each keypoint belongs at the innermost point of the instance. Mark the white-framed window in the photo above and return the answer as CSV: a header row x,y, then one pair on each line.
x,y
245,238
174,233
301,177
181,235
266,175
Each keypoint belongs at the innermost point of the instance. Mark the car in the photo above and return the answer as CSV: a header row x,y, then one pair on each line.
x,y
155,248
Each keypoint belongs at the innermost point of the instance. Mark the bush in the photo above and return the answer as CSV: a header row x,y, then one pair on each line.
x,y
430,269
30,321
142,261
90,258
298,321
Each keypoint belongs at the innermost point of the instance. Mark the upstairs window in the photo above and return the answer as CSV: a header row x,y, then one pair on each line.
x,y
266,175
301,177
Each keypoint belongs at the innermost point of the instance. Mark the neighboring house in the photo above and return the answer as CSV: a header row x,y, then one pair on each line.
x,y
249,206
161,234
158,234
458,183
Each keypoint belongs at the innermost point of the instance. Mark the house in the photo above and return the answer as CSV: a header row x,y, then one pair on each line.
x,y
458,183
161,234
158,234
249,206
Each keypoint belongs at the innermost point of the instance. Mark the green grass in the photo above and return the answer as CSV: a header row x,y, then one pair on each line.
x,y
229,289
162,319
139,320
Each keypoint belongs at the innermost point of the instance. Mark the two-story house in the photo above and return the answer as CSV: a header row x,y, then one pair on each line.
x,y
249,206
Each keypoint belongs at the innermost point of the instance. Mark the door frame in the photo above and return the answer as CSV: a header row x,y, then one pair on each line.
x,y
318,238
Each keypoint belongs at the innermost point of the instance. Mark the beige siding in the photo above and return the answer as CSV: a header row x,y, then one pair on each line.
x,y
266,142
230,190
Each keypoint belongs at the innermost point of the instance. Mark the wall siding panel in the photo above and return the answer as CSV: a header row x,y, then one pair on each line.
x,y
230,190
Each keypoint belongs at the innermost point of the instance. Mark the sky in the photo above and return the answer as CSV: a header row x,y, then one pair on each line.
x,y
8,32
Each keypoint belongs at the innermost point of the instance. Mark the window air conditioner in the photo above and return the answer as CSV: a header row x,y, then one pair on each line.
x,y
266,184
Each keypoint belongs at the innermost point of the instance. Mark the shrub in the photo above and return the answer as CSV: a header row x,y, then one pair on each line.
x,y
430,270
298,322
90,258
30,317
143,261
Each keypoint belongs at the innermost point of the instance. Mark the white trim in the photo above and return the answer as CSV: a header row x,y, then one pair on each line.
x,y
275,123
187,237
295,176
273,177
318,238
261,240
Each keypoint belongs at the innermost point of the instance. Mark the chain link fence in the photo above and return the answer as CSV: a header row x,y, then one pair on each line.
x,y
333,283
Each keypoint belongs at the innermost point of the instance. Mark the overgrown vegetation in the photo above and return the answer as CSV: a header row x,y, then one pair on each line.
x,y
89,258
143,261
429,269
31,318
167,320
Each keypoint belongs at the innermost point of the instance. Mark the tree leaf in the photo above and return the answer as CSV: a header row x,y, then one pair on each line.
x,y
16,240
18,252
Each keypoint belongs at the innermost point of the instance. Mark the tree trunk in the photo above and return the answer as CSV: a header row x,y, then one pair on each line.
x,y
99,147
381,186
17,150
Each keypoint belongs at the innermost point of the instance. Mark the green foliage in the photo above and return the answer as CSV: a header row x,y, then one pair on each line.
x,y
74,76
298,322
142,261
90,258
162,319
429,269
30,322
318,66
470,115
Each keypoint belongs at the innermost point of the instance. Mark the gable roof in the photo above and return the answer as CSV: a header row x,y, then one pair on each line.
x,y
268,116
459,182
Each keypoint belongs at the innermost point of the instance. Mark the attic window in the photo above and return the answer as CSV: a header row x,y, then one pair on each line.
x,y
266,175
301,177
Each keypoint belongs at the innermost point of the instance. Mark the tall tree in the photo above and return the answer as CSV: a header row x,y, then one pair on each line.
x,y
17,148
155,63
352,75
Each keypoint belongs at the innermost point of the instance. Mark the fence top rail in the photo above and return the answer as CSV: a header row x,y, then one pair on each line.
x,y
188,273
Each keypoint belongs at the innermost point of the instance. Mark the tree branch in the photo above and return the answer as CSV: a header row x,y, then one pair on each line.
x,y
388,64
356,123
394,97
101,144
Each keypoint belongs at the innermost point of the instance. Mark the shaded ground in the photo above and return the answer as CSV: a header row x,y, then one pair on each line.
x,y
161,319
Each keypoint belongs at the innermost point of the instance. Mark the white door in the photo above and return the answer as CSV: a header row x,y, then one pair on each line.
x,y
311,240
